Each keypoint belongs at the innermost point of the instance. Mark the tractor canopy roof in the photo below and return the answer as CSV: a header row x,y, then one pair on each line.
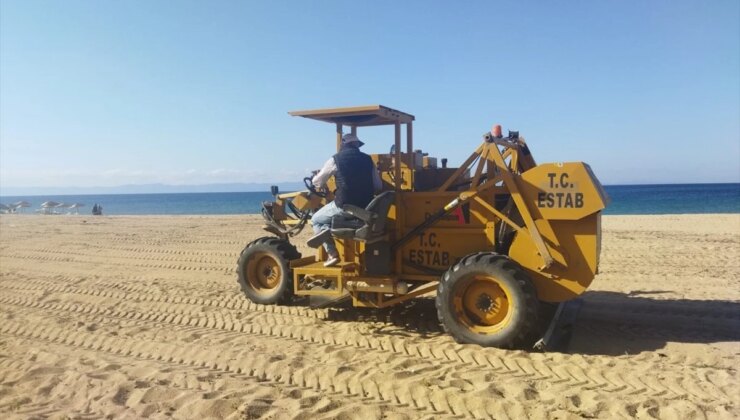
x,y
357,116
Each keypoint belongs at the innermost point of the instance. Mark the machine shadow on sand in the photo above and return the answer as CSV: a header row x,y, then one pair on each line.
x,y
609,323
613,323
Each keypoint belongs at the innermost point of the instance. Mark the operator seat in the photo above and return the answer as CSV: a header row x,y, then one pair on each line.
x,y
359,224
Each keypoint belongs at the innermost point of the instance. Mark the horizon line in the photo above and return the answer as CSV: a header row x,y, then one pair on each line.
x,y
252,183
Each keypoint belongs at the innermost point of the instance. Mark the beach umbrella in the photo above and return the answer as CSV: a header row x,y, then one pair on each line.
x,y
48,206
76,207
21,204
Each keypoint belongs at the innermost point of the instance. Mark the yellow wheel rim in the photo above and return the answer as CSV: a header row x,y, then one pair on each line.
x,y
263,272
483,304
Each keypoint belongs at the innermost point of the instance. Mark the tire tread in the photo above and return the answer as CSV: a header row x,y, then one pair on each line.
x,y
284,250
487,260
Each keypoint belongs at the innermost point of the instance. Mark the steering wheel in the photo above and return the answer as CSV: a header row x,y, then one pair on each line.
x,y
311,188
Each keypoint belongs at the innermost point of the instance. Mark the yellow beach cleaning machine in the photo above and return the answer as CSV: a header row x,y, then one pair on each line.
x,y
497,239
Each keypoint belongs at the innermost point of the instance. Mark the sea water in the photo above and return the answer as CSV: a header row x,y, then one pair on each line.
x,y
625,199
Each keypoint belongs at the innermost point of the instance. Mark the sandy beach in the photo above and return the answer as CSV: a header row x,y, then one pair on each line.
x,y
125,317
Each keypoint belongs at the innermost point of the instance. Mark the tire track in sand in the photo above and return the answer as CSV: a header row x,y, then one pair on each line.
x,y
579,373
607,321
105,261
693,320
231,357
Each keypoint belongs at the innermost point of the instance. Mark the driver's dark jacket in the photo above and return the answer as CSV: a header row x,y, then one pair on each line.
x,y
353,177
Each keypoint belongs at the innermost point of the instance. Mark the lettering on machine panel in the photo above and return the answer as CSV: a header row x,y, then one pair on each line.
x,y
428,253
561,193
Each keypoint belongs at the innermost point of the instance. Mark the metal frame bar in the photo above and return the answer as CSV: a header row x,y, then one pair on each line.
x,y
475,155
401,298
489,154
339,137
410,153
398,183
511,182
483,161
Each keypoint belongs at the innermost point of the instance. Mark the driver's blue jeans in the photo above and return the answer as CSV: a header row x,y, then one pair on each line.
x,y
321,220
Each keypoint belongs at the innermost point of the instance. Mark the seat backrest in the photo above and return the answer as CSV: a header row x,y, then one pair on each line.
x,y
380,206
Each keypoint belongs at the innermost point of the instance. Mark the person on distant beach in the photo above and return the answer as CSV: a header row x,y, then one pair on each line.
x,y
95,209
357,180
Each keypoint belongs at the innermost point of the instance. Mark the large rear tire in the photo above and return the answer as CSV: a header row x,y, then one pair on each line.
x,y
487,299
264,271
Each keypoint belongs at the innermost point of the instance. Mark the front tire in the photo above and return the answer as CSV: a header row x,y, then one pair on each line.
x,y
264,271
487,299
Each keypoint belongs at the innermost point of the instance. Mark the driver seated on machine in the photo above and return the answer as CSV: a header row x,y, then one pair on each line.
x,y
357,180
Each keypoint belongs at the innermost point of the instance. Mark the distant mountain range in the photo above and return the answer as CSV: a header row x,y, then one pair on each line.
x,y
149,189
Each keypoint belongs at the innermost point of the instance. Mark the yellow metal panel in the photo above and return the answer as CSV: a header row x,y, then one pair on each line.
x,y
438,248
304,202
565,200
562,191
426,204
572,242
302,261
388,178
290,194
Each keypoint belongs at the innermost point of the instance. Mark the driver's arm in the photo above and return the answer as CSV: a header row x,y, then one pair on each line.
x,y
329,169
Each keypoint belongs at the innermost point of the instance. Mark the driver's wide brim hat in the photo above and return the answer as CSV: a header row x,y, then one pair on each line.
x,y
350,138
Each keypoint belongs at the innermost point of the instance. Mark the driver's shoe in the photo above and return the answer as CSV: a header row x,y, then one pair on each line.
x,y
332,261
316,240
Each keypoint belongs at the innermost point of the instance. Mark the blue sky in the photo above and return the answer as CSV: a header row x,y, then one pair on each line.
x,y
102,93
